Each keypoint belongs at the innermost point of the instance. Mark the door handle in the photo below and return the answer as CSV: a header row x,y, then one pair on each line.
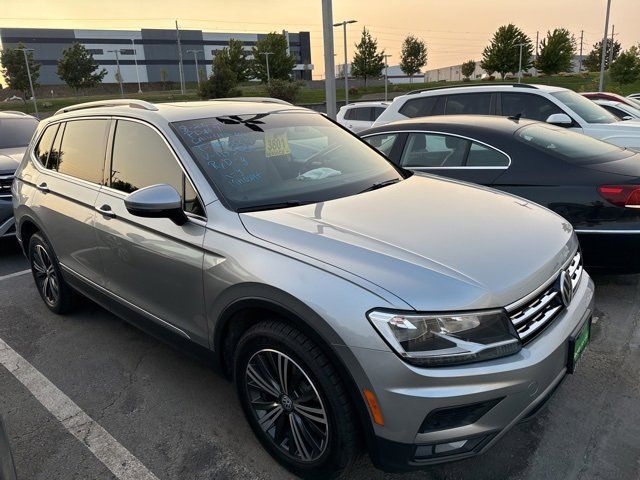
x,y
43,187
106,211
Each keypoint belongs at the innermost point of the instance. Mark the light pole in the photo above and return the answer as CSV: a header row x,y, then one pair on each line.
x,y
135,59
604,46
180,65
195,57
329,63
520,61
346,68
26,61
266,56
118,73
386,75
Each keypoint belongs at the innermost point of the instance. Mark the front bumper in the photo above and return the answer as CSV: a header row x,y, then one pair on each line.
x,y
514,386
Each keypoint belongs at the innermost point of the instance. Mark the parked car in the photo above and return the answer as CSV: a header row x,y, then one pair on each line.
x,y
16,130
634,96
622,111
632,102
291,249
593,184
554,105
360,116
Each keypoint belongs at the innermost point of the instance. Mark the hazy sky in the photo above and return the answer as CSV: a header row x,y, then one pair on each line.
x,y
455,30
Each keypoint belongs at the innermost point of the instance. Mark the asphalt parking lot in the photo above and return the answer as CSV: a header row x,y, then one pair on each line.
x,y
179,417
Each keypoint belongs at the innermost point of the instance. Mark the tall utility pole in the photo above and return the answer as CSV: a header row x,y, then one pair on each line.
x,y
613,29
386,75
520,62
118,73
346,69
26,62
604,46
135,59
266,56
195,57
580,57
180,65
329,64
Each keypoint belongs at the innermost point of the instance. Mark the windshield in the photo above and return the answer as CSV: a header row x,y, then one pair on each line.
x,y
587,109
569,146
16,132
281,159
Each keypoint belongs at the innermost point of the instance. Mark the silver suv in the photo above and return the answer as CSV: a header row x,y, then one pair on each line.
x,y
350,301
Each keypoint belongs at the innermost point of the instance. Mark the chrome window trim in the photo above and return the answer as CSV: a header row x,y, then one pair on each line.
x,y
451,135
628,232
171,149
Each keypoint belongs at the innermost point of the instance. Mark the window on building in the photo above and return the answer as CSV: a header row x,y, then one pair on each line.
x,y
95,51
127,51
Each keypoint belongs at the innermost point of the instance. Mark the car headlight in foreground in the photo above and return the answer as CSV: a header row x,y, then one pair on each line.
x,y
440,339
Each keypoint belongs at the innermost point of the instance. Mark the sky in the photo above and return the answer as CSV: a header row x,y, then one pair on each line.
x,y
454,30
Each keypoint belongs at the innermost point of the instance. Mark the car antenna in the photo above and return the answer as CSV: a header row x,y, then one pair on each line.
x,y
516,117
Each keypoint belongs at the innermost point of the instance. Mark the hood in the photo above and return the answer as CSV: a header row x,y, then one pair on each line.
x,y
624,134
10,158
437,244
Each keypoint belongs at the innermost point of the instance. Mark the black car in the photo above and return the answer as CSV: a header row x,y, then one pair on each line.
x,y
593,184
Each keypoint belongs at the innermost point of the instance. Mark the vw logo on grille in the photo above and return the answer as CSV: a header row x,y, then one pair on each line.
x,y
566,288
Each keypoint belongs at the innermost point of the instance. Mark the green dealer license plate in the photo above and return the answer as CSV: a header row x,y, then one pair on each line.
x,y
578,344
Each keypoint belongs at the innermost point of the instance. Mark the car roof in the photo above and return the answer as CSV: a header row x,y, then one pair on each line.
x,y
172,111
17,115
458,124
481,87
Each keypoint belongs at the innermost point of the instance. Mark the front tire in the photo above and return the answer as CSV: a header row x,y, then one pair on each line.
x,y
56,294
294,401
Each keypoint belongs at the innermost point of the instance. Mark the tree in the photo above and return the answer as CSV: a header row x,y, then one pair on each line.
x,y
284,90
78,68
223,80
413,57
502,53
468,68
592,62
281,63
238,60
367,61
556,52
626,68
14,70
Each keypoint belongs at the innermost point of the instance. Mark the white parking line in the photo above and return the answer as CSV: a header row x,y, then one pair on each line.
x,y
16,274
91,434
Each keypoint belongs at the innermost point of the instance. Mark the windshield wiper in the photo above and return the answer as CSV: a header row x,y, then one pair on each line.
x,y
271,206
378,185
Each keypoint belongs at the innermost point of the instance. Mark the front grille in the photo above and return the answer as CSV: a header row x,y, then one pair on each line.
x,y
531,314
5,186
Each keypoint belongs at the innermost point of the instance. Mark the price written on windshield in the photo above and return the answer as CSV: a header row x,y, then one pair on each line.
x,y
276,144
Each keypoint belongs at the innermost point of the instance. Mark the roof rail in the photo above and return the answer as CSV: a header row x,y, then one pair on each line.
x,y
464,85
252,99
133,103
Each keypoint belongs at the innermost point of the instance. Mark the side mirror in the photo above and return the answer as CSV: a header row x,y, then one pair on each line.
x,y
559,119
156,201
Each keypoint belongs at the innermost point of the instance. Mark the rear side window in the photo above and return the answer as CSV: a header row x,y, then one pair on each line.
x,y
377,111
481,156
361,114
142,158
528,105
82,151
468,104
423,106
434,150
43,148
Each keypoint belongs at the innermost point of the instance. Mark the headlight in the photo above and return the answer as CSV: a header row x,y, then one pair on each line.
x,y
447,339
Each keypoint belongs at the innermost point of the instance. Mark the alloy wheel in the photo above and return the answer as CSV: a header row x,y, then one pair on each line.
x,y
287,405
45,274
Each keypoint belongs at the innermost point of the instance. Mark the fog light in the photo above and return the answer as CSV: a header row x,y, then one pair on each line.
x,y
425,452
447,447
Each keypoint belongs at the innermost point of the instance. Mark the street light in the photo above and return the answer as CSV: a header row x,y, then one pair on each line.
x,y
26,61
195,57
386,75
604,46
345,69
266,55
135,59
118,73
520,61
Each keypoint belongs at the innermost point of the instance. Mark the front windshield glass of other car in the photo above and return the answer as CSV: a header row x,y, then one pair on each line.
x,y
281,159
569,146
587,109
16,132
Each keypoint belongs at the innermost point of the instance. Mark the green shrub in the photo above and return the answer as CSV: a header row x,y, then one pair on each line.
x,y
284,89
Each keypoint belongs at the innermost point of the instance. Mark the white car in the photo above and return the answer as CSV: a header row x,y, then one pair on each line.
x,y
555,105
619,109
360,116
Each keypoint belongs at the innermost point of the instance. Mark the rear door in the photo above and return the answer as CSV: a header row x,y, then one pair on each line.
x,y
68,188
152,265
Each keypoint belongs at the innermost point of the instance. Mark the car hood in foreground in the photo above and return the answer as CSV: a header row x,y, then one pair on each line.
x,y
437,244
10,158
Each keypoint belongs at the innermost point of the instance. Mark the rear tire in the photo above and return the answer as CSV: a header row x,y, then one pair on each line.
x,y
295,401
55,292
